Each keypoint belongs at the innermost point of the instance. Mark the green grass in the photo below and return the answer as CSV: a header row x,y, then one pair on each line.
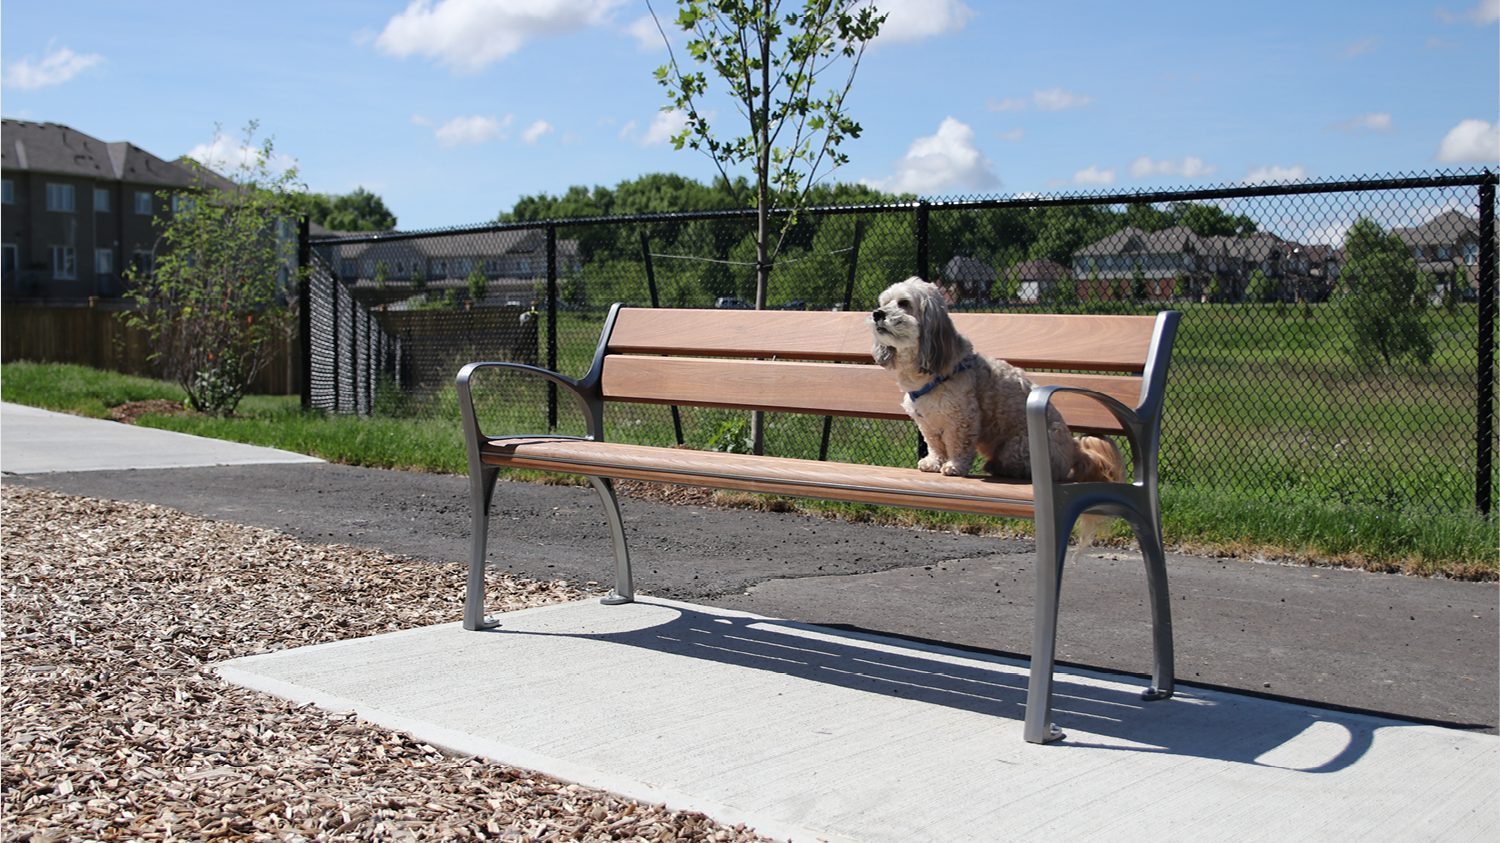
x,y
1316,520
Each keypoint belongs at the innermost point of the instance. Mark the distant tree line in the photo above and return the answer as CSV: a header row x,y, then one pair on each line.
x,y
357,211
707,259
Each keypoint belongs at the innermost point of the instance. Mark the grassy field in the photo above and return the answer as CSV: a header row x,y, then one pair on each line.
x,y
1222,515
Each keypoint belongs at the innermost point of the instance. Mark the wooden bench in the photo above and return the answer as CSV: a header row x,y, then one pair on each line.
x,y
1107,375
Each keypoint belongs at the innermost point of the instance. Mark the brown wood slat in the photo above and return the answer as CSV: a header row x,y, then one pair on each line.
x,y
772,475
1028,340
818,388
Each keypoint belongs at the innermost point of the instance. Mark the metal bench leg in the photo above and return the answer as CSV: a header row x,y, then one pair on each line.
x,y
624,590
1162,681
481,490
1051,547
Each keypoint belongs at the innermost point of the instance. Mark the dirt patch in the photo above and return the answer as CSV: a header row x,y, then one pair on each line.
x,y
130,411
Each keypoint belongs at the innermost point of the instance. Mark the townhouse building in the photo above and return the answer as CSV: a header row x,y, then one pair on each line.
x,y
78,212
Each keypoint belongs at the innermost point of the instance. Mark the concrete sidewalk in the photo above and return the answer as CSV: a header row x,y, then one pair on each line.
x,y
811,733
34,441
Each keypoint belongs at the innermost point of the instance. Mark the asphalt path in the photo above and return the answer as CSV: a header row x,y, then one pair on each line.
x,y
1426,649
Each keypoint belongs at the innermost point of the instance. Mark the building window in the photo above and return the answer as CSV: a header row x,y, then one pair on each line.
x,y
143,202
104,261
60,198
10,259
141,263
181,203
101,200
64,263
8,192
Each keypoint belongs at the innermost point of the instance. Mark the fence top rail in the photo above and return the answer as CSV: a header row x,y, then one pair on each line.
x,y
1462,178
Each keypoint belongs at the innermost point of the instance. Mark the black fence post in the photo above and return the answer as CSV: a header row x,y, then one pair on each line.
x,y
551,325
924,210
304,308
333,354
1484,434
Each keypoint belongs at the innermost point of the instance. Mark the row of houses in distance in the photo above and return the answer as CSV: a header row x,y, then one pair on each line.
x,y
1176,263
512,265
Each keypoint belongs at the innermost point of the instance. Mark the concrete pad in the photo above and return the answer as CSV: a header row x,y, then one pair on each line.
x,y
819,734
35,441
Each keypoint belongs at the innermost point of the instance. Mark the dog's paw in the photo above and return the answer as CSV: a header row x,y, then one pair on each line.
x,y
929,463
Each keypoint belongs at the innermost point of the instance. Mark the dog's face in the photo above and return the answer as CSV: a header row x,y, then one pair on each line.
x,y
912,328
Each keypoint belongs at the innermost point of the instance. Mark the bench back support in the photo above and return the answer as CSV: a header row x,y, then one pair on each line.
x,y
820,363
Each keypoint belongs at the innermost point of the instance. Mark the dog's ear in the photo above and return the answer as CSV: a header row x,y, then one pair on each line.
x,y
939,347
884,355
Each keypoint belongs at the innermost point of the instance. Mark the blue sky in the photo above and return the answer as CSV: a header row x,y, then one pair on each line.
x,y
450,110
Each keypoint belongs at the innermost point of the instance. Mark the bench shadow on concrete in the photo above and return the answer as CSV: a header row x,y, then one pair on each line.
x,y
1106,712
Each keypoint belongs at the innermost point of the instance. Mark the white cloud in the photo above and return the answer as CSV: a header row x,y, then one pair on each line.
x,y
1483,14
943,161
1095,176
668,122
646,34
1012,135
1051,99
1057,99
1375,121
226,156
1188,168
1471,141
469,35
536,131
1360,47
913,20
467,130
55,68
1276,172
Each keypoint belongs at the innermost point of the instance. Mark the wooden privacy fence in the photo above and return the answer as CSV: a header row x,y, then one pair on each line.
x,y
97,336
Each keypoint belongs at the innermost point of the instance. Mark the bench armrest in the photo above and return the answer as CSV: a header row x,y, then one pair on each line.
x,y
586,393
1141,430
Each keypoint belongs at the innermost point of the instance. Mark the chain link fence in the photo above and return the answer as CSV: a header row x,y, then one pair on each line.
x,y
1336,346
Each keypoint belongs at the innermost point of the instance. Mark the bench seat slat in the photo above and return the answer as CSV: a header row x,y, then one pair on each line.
x,y
834,389
773,475
1028,340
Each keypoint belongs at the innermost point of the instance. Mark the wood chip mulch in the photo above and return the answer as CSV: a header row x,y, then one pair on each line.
x,y
114,726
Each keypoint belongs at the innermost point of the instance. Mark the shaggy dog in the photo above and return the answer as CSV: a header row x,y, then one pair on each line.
x,y
965,403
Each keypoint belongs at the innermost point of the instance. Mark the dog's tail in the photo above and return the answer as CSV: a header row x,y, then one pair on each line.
x,y
1094,459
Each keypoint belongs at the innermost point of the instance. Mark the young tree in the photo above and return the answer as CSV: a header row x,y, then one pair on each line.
x,y
477,283
219,287
1383,298
769,63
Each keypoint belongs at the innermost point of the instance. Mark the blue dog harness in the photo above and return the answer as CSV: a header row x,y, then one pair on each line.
x,y
963,365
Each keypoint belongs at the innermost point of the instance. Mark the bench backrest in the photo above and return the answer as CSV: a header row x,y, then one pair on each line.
x,y
820,363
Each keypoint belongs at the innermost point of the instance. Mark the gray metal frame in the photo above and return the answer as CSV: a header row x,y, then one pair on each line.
x,y
1057,507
